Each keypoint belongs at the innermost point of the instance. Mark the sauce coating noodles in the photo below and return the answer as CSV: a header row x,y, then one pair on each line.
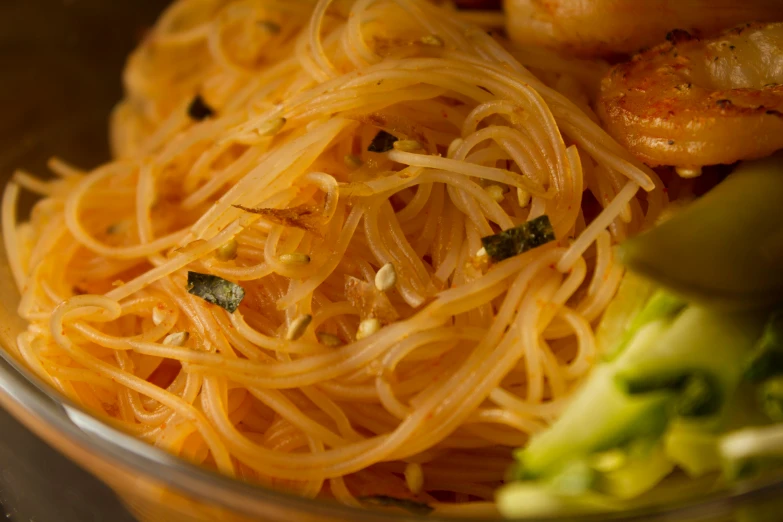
x,y
320,382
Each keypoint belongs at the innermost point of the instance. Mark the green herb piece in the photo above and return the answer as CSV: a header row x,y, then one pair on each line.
x,y
767,357
514,241
198,109
411,506
382,142
216,290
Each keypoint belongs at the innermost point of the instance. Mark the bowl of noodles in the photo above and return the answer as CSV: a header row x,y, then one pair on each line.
x,y
394,259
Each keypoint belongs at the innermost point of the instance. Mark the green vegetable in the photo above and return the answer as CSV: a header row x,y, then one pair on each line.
x,y
699,358
675,361
724,249
524,499
199,110
517,240
632,295
583,428
692,449
638,475
411,506
382,142
767,357
750,450
216,290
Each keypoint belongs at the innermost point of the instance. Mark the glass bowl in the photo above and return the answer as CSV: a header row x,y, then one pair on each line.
x,y
62,63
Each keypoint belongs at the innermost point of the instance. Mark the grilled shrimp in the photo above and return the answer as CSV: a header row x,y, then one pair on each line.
x,y
692,102
590,28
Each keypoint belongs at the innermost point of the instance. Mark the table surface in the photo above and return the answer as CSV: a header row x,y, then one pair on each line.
x,y
61,63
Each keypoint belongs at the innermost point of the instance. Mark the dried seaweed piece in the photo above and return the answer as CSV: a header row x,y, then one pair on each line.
x,y
517,240
199,110
382,142
216,290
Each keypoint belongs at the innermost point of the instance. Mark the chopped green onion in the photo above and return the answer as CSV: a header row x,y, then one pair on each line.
x,y
216,290
382,142
411,506
517,240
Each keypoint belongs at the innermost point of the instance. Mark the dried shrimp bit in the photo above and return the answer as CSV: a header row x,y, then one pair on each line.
x,y
693,102
591,28
371,302
305,217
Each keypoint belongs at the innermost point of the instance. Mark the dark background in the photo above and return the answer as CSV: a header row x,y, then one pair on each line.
x,y
60,71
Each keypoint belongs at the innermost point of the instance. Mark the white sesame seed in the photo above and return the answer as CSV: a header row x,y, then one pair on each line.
x,y
227,250
386,277
271,127
481,252
294,259
298,327
688,172
432,39
158,315
329,340
176,339
407,145
495,192
414,477
523,196
367,328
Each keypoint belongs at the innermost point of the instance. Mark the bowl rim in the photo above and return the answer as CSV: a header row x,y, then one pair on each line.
x,y
108,443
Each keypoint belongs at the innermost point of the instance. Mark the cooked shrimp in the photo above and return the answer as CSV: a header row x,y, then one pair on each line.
x,y
692,102
605,27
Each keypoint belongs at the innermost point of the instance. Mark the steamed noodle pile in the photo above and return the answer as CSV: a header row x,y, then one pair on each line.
x,y
471,357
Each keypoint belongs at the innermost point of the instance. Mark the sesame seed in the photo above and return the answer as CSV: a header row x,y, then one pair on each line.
x,y
327,339
298,326
158,315
271,127
407,145
294,259
386,277
433,40
414,477
481,252
227,250
523,196
688,172
176,339
367,328
495,192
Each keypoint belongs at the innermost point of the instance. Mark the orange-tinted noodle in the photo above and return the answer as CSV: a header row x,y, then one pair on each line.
x,y
460,361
